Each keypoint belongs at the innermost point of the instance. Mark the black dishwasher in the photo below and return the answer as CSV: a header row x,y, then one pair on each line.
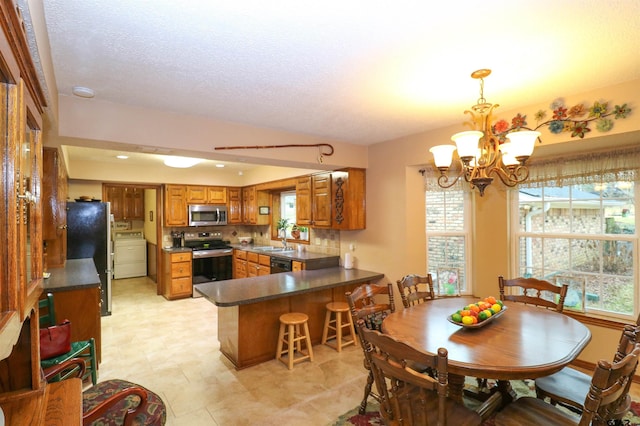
x,y
280,265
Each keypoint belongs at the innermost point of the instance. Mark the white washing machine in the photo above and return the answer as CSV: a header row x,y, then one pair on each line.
x,y
129,254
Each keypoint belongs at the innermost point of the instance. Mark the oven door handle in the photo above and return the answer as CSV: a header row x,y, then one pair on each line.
x,y
195,254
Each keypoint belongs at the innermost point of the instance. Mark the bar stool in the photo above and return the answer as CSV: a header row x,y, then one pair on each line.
x,y
336,325
290,334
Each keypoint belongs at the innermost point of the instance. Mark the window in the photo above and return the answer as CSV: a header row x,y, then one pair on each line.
x,y
583,227
288,210
448,240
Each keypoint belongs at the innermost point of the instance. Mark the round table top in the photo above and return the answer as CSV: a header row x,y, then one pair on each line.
x,y
524,342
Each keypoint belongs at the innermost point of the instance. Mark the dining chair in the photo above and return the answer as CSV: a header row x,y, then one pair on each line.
x,y
533,291
370,303
113,402
408,397
415,289
608,391
85,349
569,386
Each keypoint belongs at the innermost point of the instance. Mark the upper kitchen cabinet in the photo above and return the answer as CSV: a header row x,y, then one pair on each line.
x,y
175,205
234,212
206,194
54,212
333,200
252,199
127,202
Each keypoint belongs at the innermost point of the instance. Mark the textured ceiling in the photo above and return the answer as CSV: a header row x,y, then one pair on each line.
x,y
357,71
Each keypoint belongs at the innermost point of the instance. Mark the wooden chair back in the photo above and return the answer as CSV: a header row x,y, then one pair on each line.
x,y
529,291
415,289
371,303
609,389
409,397
46,311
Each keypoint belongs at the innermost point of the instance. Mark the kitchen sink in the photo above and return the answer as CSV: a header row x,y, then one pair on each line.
x,y
272,249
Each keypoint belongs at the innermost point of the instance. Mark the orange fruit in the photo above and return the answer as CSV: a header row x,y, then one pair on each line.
x,y
465,313
474,319
491,300
474,308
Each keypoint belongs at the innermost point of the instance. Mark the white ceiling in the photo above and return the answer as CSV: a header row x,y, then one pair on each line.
x,y
352,70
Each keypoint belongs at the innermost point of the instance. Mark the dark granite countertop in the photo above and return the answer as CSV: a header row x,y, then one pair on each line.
x,y
257,289
76,274
177,250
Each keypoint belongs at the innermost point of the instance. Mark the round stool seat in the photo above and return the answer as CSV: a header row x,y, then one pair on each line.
x,y
338,306
294,318
334,323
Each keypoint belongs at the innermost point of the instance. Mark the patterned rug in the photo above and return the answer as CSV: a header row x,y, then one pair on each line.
x,y
521,387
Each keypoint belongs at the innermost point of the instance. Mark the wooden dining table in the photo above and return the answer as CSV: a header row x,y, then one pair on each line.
x,y
524,342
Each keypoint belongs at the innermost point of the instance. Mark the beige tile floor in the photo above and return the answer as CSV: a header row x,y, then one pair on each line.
x,y
171,347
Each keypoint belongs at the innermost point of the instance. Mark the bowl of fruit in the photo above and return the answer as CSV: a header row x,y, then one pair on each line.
x,y
479,314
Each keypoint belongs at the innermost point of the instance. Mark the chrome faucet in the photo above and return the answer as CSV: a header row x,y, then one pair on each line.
x,y
284,242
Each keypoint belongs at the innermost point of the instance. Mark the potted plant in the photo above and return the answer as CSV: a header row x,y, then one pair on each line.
x,y
304,232
283,224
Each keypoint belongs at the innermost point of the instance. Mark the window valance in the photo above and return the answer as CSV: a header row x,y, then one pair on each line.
x,y
621,164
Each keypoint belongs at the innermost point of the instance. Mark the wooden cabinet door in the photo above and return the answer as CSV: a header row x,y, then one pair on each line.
x,y
133,204
196,194
321,196
216,195
235,205
54,212
239,264
303,201
348,209
115,196
175,206
249,205
264,265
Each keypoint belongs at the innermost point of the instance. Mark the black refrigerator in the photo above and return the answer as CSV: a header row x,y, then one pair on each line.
x,y
89,236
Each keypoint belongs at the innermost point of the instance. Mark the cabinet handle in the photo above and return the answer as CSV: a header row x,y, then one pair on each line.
x,y
62,227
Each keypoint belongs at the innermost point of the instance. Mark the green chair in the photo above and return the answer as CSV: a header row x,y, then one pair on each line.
x,y
84,349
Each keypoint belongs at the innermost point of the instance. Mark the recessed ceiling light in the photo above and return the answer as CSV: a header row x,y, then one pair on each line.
x,y
220,165
122,157
181,162
83,92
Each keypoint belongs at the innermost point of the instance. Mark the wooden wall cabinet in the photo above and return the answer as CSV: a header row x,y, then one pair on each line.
x,y
239,263
333,200
234,211
206,194
177,275
127,202
175,205
54,211
251,200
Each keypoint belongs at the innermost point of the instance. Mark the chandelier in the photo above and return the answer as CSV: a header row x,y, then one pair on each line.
x,y
484,153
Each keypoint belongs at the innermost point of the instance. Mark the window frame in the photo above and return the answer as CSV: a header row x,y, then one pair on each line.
x,y
517,234
466,287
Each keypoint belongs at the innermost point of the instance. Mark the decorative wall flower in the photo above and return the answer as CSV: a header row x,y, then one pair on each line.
x,y
604,125
559,113
598,109
519,121
621,111
580,129
577,111
566,120
556,126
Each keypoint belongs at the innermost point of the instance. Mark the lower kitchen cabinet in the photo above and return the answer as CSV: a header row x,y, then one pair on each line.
x,y
258,264
296,266
239,264
177,275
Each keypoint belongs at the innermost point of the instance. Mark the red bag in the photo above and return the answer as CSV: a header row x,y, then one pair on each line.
x,y
55,340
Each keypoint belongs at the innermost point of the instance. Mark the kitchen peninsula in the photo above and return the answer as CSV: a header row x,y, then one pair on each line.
x,y
250,308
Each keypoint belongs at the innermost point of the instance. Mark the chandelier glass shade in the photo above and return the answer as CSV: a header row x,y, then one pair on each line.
x,y
484,154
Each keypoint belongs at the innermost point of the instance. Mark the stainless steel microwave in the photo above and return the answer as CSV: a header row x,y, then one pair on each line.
x,y
207,214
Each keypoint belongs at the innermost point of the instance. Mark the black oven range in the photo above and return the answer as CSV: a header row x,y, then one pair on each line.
x,y
212,257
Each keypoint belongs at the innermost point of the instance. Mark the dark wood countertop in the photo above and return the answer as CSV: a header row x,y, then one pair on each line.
x,y
257,289
76,274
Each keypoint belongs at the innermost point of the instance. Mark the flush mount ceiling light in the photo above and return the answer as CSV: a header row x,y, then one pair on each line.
x,y
483,152
83,92
181,162
220,166
122,157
